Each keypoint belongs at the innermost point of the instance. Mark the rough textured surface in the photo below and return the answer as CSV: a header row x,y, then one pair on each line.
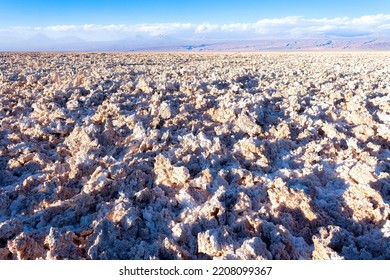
x,y
190,156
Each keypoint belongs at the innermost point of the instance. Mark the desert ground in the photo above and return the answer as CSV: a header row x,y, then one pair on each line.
x,y
195,156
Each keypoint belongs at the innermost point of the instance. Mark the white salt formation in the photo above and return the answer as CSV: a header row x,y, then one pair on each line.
x,y
195,156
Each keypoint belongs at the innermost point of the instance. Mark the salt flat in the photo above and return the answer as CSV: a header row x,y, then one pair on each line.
x,y
195,156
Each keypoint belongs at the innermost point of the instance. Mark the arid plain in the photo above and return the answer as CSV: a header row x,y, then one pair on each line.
x,y
195,156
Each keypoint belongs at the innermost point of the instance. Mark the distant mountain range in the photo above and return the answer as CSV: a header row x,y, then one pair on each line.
x,y
41,42
325,44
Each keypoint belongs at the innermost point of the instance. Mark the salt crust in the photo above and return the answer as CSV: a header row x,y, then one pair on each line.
x,y
191,156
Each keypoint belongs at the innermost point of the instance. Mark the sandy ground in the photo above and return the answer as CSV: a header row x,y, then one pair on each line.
x,y
191,156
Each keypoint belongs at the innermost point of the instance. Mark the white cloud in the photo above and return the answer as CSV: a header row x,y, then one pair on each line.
x,y
163,28
59,28
233,27
295,25
280,21
371,20
276,27
154,29
203,28
384,26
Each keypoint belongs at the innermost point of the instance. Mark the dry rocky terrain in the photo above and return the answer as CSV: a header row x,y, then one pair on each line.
x,y
195,156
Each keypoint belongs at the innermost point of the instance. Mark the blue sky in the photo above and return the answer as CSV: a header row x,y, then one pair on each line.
x,y
93,20
42,13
